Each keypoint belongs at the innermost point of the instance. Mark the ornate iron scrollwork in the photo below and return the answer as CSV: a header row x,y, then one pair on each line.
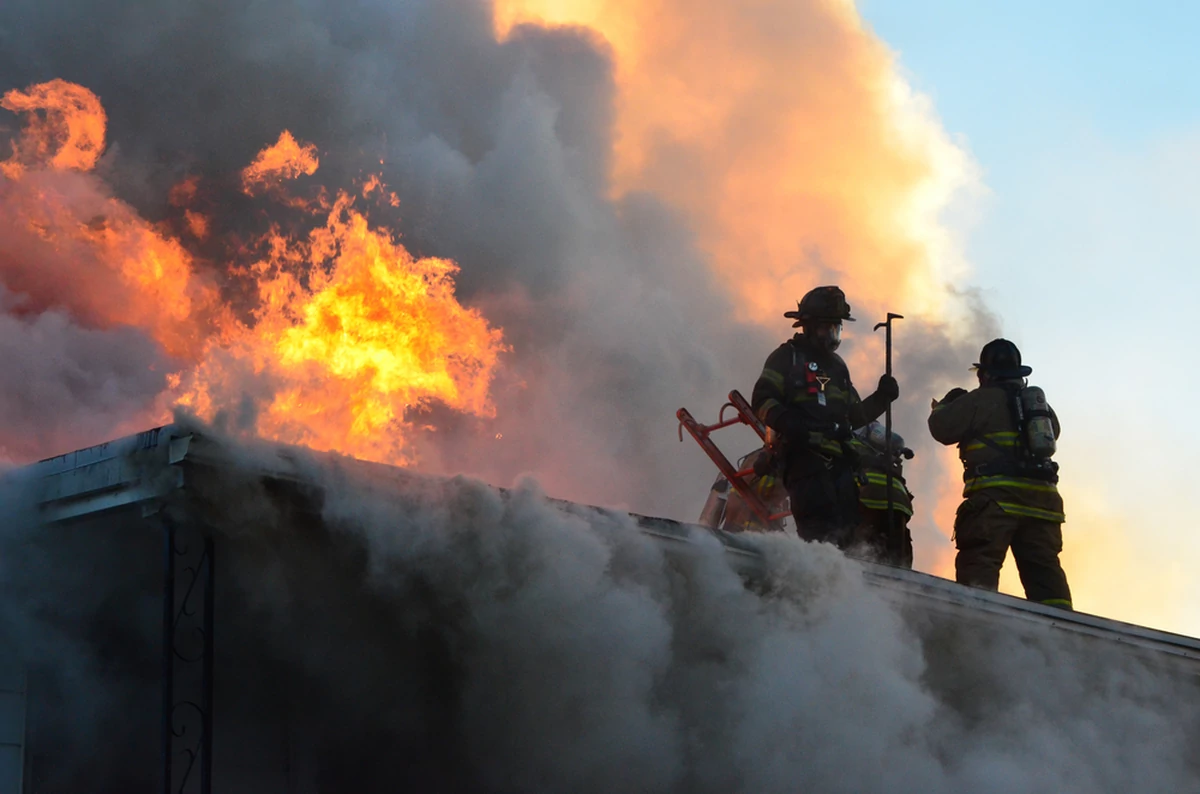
x,y
187,718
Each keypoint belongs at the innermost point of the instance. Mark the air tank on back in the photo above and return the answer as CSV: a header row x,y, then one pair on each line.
x,y
1039,428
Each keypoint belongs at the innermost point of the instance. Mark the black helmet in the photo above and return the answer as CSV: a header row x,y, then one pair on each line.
x,y
1001,359
823,304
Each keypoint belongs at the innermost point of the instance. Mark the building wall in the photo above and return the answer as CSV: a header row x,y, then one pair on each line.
x,y
12,723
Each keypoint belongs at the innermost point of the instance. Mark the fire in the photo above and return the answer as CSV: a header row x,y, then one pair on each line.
x,y
351,333
70,244
197,224
67,133
286,159
374,333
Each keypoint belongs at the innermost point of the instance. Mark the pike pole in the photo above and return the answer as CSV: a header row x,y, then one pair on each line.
x,y
891,519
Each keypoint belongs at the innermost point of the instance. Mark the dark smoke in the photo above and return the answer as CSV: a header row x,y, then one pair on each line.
x,y
500,154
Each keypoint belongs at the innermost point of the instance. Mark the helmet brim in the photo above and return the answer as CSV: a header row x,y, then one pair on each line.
x,y
1022,371
801,319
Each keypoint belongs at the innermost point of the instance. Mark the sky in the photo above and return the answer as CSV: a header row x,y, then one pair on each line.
x,y
1084,120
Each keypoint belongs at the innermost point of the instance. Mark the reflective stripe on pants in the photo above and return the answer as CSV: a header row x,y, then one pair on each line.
x,y
984,532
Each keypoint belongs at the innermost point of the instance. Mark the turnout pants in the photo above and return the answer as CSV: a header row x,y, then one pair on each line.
x,y
983,534
890,548
824,500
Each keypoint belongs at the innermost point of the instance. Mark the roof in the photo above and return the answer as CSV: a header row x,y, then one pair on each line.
x,y
146,470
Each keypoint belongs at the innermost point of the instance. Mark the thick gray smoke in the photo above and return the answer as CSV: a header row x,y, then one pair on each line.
x,y
63,381
438,636
500,644
500,153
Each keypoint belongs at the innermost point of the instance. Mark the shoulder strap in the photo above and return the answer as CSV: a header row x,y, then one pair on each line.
x,y
1016,412
1017,409
791,375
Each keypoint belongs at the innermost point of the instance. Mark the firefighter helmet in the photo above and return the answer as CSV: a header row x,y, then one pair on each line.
x,y
823,304
875,435
1001,359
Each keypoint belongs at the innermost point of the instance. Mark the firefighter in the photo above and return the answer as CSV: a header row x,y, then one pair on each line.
x,y
1010,497
887,541
725,509
805,395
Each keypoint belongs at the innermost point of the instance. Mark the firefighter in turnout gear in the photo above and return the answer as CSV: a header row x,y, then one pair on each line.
x,y
888,542
725,509
805,395
1010,499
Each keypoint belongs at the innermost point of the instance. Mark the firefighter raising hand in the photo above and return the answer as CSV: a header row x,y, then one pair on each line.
x,y
1005,432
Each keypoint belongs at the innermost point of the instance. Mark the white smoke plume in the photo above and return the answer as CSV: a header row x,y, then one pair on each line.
x,y
439,635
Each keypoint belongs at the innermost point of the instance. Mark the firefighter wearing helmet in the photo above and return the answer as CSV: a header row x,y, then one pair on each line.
x,y
805,395
725,509
1006,434
884,538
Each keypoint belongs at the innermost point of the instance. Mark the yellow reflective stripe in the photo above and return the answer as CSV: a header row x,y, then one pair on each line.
x,y
1057,602
836,393
881,504
1004,481
1012,508
875,478
1005,439
881,478
766,407
772,377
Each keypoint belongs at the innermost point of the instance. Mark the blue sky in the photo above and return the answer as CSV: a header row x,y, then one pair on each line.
x,y
1084,119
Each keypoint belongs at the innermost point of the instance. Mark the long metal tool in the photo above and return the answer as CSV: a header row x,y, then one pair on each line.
x,y
891,518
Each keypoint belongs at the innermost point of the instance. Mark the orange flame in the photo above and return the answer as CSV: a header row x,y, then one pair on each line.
x,y
68,134
286,159
351,334
74,245
373,334
197,224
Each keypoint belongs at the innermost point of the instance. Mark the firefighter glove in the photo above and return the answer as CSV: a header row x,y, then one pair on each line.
x,y
888,388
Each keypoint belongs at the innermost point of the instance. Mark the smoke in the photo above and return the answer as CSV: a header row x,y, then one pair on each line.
x,y
62,382
505,643
635,199
634,211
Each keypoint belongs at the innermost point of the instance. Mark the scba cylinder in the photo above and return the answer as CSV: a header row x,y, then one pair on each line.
x,y
1039,428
